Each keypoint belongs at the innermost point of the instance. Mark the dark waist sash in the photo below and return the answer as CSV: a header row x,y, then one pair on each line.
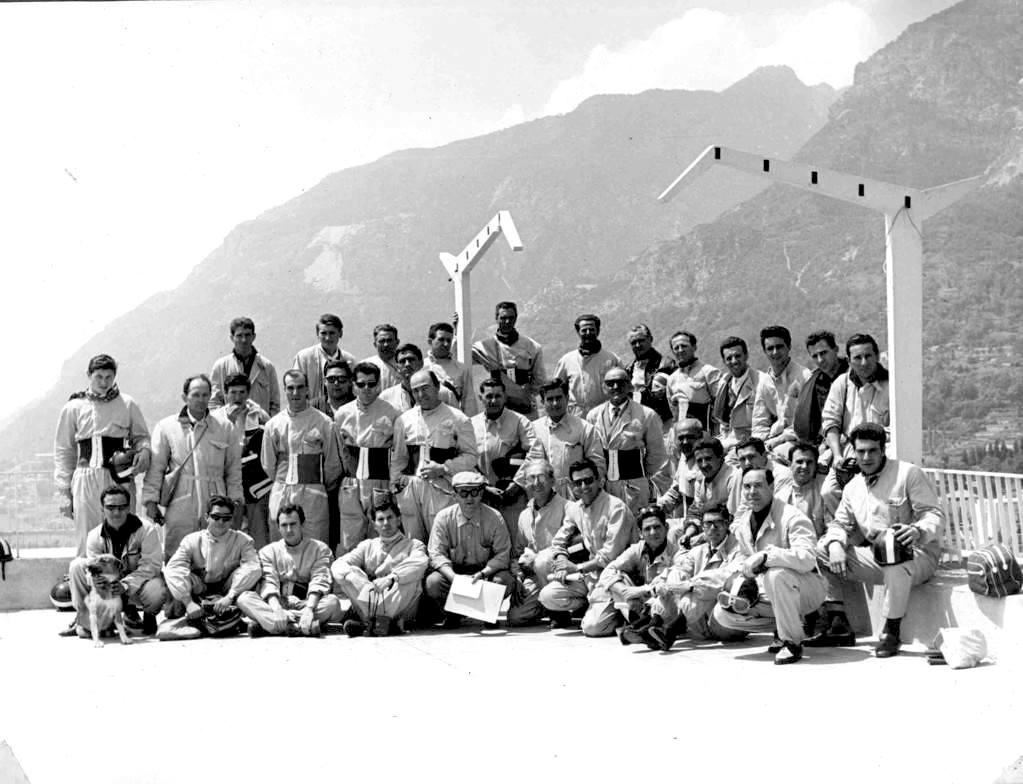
x,y
109,446
255,482
378,464
436,455
630,463
700,411
309,469
506,467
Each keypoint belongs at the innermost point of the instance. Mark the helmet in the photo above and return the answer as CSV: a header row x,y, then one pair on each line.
x,y
223,625
120,465
888,550
60,594
739,594
846,470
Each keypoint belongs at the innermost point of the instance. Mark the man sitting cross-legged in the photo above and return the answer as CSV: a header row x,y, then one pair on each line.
x,y
382,577
295,597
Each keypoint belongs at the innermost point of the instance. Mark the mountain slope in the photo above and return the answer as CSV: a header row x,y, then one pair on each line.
x,y
363,243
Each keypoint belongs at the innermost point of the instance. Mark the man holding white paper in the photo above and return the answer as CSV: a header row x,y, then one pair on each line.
x,y
469,539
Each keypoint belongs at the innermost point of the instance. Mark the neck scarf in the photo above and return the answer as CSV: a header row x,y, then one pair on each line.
x,y
590,350
510,339
389,540
88,394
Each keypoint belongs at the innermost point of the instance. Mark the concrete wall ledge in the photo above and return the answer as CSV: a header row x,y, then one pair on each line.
x,y
30,577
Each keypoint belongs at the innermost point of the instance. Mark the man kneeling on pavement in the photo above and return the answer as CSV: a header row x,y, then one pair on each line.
x,y
887,530
382,577
207,573
597,528
136,543
777,549
684,599
295,595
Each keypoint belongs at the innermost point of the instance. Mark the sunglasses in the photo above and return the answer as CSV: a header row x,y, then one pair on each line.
x,y
337,379
616,382
222,517
469,492
115,507
364,384
584,480
739,604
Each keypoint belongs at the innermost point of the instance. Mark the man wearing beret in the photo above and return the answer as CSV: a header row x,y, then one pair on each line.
x,y
468,538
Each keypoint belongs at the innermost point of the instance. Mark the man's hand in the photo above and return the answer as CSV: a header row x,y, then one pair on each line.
x,y
906,534
634,593
754,565
193,611
67,507
118,588
382,584
836,558
399,484
239,503
140,463
223,604
478,576
431,470
306,620
153,512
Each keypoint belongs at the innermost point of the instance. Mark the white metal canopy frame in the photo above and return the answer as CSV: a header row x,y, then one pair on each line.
x,y
460,266
904,210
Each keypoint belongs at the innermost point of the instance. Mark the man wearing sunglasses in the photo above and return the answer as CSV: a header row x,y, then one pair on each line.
x,y
365,429
337,378
432,442
632,438
136,542
605,527
777,546
468,538
217,563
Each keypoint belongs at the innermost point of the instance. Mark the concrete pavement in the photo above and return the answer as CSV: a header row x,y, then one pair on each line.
x,y
530,705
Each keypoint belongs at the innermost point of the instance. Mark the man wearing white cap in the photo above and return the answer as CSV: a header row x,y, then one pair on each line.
x,y
468,538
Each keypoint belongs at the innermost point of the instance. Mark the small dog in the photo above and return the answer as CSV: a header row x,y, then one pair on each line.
x,y
105,608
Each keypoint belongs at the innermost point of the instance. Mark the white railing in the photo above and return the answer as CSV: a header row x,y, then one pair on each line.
x,y
980,508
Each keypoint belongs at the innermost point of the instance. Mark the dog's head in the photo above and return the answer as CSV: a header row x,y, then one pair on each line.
x,y
105,569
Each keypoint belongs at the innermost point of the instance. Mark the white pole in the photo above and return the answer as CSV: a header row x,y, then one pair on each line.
x,y
904,272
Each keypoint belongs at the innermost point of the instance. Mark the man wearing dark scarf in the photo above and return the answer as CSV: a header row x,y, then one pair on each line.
x,y
811,396
513,358
584,369
96,424
264,389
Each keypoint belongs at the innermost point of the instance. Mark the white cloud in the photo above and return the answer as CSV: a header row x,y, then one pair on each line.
x,y
709,50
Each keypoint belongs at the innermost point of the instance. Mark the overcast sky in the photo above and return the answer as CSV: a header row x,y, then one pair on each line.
x,y
135,136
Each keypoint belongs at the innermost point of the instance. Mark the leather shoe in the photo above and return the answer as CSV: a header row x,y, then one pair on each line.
x,y
790,653
775,646
887,646
560,620
353,628
661,638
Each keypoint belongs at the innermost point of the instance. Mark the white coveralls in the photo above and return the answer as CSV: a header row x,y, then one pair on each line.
x,y
634,567
251,517
264,389
311,361
521,367
366,434
86,419
291,574
585,376
562,443
456,387
792,585
300,453
634,447
495,440
213,468
447,435
372,559
536,531
607,527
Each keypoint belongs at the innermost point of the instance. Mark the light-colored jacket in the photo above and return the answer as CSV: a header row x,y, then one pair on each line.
x,y
142,556
213,560
786,535
213,468
265,390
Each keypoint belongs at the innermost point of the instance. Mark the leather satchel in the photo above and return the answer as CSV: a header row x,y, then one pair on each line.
x,y
171,479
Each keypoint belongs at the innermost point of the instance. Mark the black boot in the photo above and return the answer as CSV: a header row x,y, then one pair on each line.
x,y
664,637
838,632
560,620
888,641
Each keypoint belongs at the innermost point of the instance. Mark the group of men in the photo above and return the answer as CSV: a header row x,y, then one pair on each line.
x,y
655,498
